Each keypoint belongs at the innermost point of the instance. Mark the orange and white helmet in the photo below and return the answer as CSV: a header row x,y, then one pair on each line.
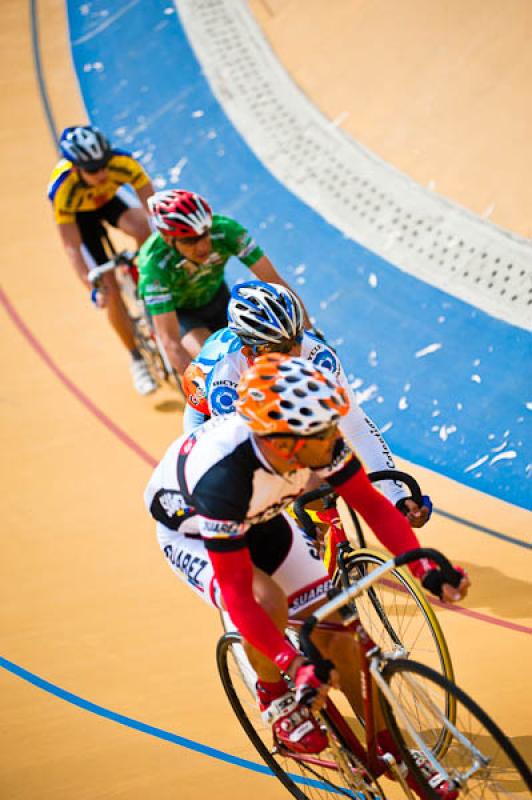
x,y
287,395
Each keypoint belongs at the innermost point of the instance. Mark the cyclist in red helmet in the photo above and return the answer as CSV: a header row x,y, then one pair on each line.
x,y
86,192
182,269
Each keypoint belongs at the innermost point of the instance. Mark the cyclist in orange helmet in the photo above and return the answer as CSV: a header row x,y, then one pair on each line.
x,y
219,497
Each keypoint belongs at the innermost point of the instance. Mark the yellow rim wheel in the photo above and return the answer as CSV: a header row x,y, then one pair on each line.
x,y
401,621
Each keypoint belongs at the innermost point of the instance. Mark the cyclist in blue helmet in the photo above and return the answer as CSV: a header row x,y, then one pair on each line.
x,y
87,192
268,318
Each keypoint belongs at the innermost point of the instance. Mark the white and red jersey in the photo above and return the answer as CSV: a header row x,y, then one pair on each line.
x,y
215,482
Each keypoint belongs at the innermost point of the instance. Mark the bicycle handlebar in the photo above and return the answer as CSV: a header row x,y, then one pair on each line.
x,y
326,491
125,257
402,477
343,597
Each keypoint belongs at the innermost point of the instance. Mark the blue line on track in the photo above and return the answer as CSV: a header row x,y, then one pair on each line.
x,y
489,531
142,727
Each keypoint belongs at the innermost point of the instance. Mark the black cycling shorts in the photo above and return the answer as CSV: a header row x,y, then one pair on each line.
x,y
92,231
269,543
212,315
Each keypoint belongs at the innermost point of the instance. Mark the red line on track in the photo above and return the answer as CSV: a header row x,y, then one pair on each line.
x,y
469,612
81,396
136,448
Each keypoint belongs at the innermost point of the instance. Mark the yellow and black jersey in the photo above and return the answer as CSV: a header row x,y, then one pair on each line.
x,y
69,193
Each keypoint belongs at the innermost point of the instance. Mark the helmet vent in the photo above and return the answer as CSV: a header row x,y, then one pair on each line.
x,y
287,404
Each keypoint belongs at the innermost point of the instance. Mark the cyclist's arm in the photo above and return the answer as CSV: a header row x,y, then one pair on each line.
x,y
167,329
387,523
71,239
368,442
265,271
391,527
143,193
233,570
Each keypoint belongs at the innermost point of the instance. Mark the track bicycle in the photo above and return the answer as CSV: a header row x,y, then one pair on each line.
x,y
477,761
146,340
395,610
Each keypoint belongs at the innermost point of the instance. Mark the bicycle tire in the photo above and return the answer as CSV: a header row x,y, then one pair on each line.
x,y
387,612
147,347
323,777
409,693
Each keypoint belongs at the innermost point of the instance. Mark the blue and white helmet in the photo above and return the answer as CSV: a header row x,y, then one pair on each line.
x,y
85,146
264,313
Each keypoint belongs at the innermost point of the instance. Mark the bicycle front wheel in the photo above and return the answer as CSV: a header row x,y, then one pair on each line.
x,y
400,620
334,773
479,759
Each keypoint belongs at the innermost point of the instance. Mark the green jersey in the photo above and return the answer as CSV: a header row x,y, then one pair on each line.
x,y
169,282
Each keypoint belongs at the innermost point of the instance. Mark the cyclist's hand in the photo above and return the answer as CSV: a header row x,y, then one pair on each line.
x,y
310,690
452,594
416,515
433,581
99,298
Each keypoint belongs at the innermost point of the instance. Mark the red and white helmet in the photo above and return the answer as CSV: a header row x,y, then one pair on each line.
x,y
180,214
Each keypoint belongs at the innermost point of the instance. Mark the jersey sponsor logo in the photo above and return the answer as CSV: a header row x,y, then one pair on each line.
x,y
190,566
309,596
323,358
218,528
153,299
247,244
222,398
188,444
173,504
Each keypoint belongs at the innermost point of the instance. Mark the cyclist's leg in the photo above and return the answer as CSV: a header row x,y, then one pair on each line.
x,y
302,568
94,253
117,312
194,338
134,222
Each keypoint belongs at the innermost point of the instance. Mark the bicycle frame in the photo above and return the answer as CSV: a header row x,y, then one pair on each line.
x,y
368,756
371,661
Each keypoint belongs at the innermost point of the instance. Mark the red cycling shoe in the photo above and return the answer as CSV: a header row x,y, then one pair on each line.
x,y
294,725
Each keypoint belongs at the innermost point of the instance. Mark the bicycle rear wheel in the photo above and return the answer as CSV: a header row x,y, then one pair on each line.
x,y
479,757
334,773
400,620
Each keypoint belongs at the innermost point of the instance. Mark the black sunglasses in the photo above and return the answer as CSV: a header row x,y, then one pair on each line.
x,y
192,239
94,170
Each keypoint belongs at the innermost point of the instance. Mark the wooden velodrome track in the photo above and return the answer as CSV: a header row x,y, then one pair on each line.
x,y
88,605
